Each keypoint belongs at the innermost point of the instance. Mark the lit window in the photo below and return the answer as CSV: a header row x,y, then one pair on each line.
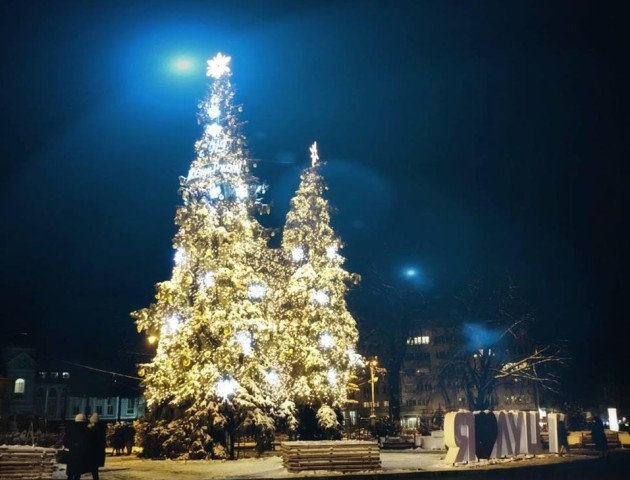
x,y
386,403
54,375
42,375
420,340
20,385
65,375
131,406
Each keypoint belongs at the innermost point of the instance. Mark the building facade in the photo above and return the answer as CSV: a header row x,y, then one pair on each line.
x,y
32,389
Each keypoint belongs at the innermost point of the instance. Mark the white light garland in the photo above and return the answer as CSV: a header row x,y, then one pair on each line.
x,y
245,340
297,254
218,66
256,291
326,340
226,387
321,297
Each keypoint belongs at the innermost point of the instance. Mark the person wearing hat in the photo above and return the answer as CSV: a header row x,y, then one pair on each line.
x,y
96,445
75,441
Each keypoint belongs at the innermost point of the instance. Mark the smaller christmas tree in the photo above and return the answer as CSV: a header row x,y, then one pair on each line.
x,y
320,333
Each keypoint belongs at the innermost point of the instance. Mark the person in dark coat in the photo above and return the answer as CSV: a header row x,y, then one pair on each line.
x,y
129,436
563,440
75,441
96,445
599,436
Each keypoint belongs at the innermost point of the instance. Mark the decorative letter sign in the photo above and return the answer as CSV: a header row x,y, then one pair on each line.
x,y
459,432
495,434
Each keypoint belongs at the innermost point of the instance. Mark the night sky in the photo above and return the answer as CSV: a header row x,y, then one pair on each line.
x,y
462,138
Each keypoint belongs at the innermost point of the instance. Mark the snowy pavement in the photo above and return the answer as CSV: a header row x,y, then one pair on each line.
x,y
396,462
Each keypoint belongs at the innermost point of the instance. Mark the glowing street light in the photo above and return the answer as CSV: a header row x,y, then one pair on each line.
x,y
182,65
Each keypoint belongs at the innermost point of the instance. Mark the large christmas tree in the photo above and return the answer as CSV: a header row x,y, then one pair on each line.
x,y
242,332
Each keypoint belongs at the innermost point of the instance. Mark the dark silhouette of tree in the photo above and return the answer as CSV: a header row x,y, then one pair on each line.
x,y
498,347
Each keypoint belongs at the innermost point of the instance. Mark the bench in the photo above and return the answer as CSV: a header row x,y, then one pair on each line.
x,y
26,463
343,456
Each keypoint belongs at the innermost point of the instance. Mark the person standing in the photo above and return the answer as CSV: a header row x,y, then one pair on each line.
x,y
75,441
96,445
599,436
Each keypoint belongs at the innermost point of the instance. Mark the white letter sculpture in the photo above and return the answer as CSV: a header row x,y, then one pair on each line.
x,y
459,432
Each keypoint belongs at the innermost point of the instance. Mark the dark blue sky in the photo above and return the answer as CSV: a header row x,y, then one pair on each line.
x,y
465,138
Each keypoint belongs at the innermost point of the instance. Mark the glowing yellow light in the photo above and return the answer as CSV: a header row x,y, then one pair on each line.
x,y
152,339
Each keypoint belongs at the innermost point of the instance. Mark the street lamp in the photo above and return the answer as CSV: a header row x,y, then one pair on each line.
x,y
373,364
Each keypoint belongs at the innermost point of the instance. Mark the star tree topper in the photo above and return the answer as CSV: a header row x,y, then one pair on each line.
x,y
314,155
218,66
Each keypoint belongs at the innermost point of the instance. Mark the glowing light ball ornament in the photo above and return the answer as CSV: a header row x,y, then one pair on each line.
x,y
331,252
326,340
218,66
226,387
272,378
242,192
214,112
245,340
208,280
321,297
214,129
180,256
332,377
256,291
172,324
297,254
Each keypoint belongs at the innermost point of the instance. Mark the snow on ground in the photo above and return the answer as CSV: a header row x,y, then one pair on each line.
x,y
133,468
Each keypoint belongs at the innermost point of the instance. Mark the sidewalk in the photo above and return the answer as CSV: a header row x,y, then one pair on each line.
x,y
395,464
